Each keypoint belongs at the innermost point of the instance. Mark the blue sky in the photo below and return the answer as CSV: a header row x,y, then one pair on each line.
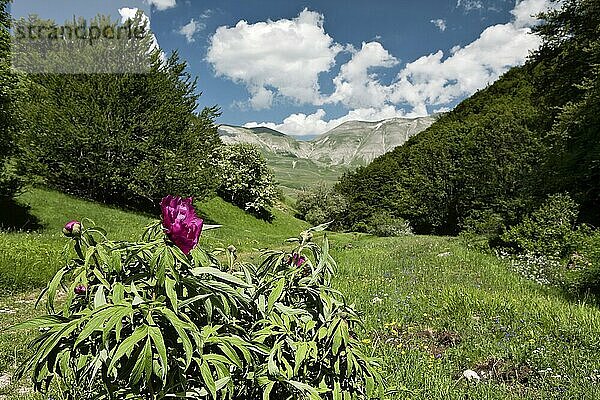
x,y
305,66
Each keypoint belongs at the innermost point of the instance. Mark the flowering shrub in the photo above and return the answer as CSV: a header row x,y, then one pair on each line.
x,y
549,247
245,179
160,319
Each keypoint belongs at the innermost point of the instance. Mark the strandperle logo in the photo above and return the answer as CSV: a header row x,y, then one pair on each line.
x,y
116,40
91,34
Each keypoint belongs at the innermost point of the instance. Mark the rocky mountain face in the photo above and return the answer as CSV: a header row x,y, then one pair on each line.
x,y
352,143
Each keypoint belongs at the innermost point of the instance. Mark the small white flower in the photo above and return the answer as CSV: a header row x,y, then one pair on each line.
x,y
376,300
471,375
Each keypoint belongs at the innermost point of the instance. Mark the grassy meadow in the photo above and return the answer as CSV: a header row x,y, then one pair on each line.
x,y
433,307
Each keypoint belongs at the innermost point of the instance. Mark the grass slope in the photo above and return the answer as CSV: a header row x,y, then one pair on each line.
x,y
294,173
433,308
28,260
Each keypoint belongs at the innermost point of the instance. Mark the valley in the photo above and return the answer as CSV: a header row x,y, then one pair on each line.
x,y
299,163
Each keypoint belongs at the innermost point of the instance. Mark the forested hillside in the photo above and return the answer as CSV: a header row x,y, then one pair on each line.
x,y
500,153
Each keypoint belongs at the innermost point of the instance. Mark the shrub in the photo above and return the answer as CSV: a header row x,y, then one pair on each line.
x,y
147,320
548,230
245,179
552,248
384,224
320,203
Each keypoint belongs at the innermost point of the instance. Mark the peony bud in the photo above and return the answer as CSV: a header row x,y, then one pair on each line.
x,y
80,290
72,228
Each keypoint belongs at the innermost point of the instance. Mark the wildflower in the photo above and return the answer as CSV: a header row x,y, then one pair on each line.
x,y
471,376
72,228
80,290
182,224
298,260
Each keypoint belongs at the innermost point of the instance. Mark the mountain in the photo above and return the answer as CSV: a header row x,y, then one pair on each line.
x,y
358,142
268,140
299,163
351,143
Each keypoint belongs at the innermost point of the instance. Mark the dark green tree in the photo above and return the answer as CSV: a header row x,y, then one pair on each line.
x,y
122,138
568,79
10,183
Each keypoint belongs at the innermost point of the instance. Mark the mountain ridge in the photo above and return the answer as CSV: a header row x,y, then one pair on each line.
x,y
352,143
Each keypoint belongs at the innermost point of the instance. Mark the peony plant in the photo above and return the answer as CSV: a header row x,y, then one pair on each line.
x,y
163,318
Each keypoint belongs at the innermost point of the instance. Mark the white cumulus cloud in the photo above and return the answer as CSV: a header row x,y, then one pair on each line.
x,y
162,5
190,29
283,57
355,87
525,11
127,13
430,83
436,80
439,23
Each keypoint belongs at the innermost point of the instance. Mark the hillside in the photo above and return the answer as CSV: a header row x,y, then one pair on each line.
x,y
28,259
357,143
354,143
481,160
501,153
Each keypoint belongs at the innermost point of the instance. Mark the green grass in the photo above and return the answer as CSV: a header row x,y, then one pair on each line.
x,y
245,231
29,259
421,293
421,297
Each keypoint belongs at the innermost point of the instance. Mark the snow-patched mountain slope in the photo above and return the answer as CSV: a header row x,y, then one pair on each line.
x,y
351,143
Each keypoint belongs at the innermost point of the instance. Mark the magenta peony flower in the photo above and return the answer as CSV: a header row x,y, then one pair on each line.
x,y
298,260
181,222
80,289
71,228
